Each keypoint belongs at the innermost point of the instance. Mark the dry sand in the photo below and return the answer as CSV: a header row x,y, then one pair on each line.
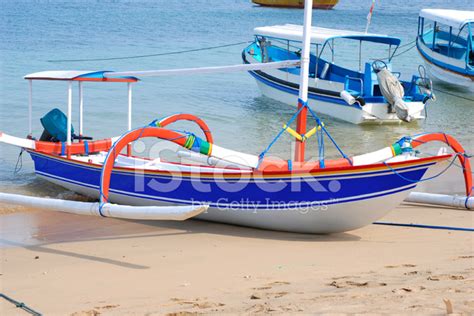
x,y
61,264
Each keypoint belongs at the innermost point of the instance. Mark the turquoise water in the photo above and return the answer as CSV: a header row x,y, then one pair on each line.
x,y
35,32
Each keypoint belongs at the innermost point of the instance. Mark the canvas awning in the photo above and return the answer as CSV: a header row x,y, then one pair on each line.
x,y
454,18
77,75
320,35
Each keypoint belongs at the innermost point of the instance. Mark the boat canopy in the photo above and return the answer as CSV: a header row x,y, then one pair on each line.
x,y
78,75
454,18
320,35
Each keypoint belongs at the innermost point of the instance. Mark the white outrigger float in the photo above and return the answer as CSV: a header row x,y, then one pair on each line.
x,y
322,196
369,92
445,41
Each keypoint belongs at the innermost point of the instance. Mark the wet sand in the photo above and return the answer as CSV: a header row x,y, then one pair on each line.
x,y
62,264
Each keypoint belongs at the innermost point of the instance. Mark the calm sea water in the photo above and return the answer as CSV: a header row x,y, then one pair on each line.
x,y
35,32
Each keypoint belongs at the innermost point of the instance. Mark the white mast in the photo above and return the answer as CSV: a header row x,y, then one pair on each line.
x,y
308,10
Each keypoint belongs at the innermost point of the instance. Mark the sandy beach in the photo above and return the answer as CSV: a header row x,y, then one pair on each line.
x,y
61,264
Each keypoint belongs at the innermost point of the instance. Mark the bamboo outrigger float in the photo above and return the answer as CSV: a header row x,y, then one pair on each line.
x,y
322,196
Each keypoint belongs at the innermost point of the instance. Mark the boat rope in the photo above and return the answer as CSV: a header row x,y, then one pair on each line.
x,y
20,305
398,54
425,226
426,179
462,168
19,162
265,151
407,44
149,55
457,165
453,94
320,130
405,51
328,135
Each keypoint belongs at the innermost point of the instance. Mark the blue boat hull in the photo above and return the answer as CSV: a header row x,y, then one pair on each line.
x,y
321,202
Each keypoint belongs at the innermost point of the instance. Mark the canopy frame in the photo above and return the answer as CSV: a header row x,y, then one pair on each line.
x,y
80,77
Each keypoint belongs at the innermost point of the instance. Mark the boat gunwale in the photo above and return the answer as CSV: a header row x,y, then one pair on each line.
x,y
342,170
453,69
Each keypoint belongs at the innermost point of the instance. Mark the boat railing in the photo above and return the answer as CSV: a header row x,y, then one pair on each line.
x,y
347,84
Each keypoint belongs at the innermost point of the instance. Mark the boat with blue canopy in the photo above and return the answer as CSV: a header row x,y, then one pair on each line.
x,y
445,41
366,90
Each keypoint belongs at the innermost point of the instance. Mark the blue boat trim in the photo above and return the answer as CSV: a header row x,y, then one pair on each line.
x,y
460,71
252,194
293,88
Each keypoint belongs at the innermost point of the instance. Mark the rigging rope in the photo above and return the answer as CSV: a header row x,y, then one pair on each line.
x,y
149,55
403,52
20,305
19,162
426,179
320,137
453,94
425,226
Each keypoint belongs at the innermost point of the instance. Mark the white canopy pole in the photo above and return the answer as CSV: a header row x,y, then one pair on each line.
x,y
81,108
129,146
30,107
69,114
205,70
129,84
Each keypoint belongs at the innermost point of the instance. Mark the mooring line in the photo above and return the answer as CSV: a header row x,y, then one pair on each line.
x,y
20,305
149,55
425,226
454,95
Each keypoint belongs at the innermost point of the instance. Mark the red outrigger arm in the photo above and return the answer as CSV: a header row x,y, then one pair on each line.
x,y
187,117
132,136
456,146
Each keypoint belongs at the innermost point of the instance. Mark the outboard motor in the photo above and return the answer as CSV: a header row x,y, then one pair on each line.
x,y
55,127
392,90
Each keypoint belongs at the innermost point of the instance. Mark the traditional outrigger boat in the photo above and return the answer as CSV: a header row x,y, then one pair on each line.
x,y
320,196
369,92
445,41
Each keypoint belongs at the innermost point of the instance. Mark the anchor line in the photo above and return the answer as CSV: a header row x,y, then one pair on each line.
x,y
19,162
454,95
20,305
149,55
425,226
